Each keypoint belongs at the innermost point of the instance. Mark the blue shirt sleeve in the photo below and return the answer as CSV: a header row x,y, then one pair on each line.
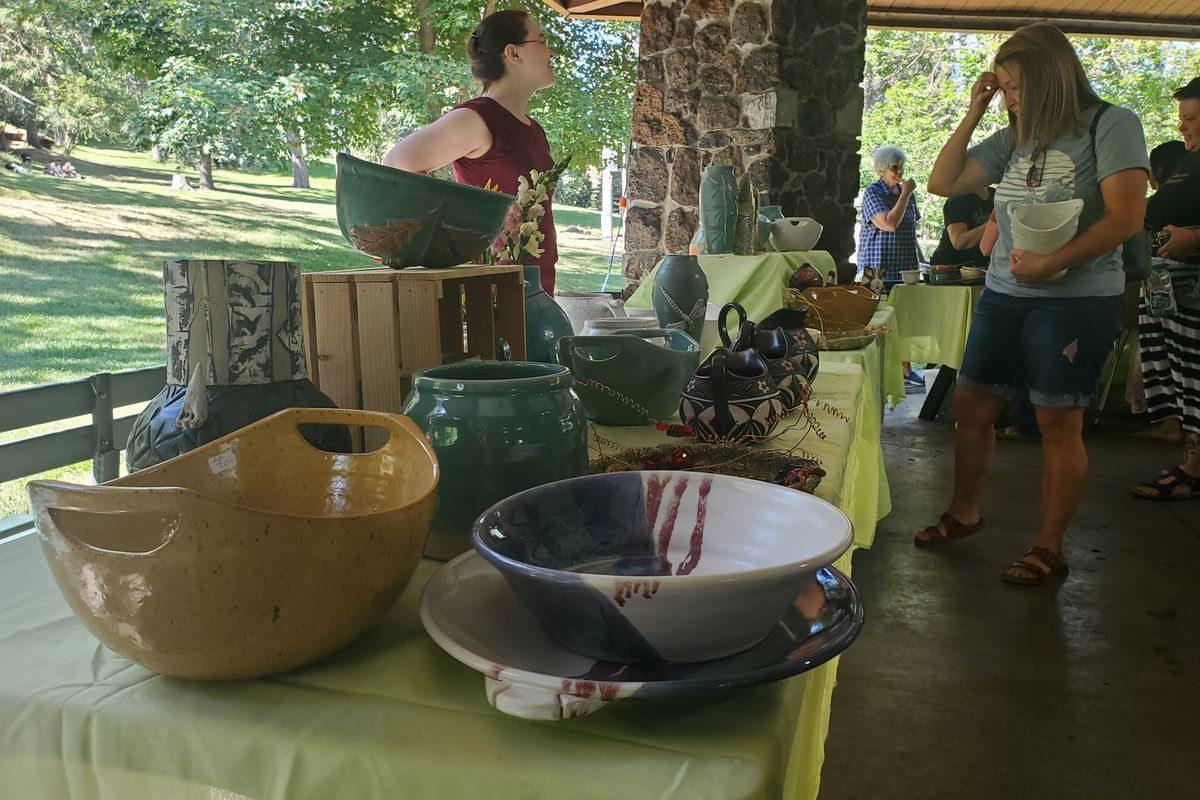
x,y
873,202
993,153
1120,143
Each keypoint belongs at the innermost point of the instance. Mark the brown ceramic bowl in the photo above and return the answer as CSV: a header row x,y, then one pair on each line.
x,y
254,554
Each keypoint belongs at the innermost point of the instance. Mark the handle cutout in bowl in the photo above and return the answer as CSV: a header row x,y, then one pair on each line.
x,y
134,533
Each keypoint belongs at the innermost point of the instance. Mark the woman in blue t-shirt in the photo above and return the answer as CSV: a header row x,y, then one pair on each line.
x,y
1045,321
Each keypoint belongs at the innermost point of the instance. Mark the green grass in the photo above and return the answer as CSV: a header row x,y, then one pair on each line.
x,y
81,261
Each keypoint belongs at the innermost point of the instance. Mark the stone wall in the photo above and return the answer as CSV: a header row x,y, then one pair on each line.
x,y
769,86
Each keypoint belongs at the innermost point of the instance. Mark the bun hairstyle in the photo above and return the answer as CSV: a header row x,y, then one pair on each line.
x,y
485,47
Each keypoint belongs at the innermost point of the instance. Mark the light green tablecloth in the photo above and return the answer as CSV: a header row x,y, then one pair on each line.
x,y
756,282
392,715
933,321
880,360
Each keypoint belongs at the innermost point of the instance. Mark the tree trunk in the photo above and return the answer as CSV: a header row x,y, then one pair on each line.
x,y
156,153
32,134
490,8
427,35
299,164
206,176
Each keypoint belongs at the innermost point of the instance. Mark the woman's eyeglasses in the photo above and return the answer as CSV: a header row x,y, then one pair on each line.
x,y
1037,168
540,40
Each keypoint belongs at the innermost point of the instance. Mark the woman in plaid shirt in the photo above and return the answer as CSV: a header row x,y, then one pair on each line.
x,y
888,234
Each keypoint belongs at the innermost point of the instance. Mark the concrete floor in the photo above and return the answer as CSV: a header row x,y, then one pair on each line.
x,y
962,686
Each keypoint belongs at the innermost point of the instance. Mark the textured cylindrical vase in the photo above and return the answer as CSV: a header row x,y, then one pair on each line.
x,y
680,295
497,428
545,321
719,208
235,354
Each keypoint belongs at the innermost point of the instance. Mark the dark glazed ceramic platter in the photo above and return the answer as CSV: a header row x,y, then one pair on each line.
x,y
469,610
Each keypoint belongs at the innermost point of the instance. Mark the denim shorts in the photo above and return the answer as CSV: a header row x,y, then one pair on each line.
x,y
1054,346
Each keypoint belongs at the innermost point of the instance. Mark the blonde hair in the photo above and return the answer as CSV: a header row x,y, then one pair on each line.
x,y
1054,88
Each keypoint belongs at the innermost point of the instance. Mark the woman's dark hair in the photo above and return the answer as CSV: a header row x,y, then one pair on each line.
x,y
1165,157
485,48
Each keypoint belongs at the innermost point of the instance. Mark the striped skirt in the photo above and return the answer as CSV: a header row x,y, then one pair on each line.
x,y
1170,354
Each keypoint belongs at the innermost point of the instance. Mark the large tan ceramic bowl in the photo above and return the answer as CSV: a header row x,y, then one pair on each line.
x,y
252,555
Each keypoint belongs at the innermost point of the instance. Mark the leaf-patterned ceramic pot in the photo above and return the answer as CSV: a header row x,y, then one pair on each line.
x,y
731,398
680,295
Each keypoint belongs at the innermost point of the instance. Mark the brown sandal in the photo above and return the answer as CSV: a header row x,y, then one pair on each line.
x,y
950,529
1028,573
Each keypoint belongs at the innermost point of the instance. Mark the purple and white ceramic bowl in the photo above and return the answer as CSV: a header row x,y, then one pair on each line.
x,y
660,566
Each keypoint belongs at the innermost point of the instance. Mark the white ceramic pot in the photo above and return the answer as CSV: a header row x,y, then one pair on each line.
x,y
583,306
795,233
1044,227
910,275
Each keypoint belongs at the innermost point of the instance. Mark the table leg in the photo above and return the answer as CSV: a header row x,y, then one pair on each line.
x,y
937,393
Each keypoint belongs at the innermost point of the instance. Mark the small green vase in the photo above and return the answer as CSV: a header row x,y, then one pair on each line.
x,y
545,321
498,428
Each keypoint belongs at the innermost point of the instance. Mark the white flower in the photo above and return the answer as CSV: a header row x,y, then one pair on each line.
x,y
529,228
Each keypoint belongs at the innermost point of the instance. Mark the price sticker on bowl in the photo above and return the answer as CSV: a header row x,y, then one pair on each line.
x,y
222,462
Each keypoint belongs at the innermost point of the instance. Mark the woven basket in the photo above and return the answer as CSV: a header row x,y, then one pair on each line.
x,y
834,308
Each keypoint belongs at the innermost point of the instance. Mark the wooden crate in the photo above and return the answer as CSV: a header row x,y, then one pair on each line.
x,y
368,330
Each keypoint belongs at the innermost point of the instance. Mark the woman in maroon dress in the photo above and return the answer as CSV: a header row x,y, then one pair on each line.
x,y
490,138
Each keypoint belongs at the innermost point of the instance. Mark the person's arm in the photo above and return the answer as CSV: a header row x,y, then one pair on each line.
x,y
890,220
954,172
1124,196
459,133
964,238
991,235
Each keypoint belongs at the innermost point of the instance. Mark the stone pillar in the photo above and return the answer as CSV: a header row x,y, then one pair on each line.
x,y
769,86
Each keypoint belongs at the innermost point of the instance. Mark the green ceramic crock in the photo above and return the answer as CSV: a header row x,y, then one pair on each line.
x,y
498,428
630,379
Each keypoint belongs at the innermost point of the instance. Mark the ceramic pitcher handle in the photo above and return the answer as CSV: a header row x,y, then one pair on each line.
x,y
722,328
721,388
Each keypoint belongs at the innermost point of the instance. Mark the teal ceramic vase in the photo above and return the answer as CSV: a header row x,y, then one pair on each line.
x,y
498,428
766,217
545,321
680,295
719,208
633,378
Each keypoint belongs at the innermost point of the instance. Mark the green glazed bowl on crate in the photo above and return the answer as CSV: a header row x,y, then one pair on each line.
x,y
631,378
406,219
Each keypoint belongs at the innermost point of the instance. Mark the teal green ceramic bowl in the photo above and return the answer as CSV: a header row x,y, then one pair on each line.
x,y
409,220
631,378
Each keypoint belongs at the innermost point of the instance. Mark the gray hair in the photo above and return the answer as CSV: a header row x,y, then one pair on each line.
x,y
887,157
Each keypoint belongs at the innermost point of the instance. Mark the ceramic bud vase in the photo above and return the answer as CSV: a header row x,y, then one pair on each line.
x,y
545,321
680,295
497,428
719,208
746,231
235,354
